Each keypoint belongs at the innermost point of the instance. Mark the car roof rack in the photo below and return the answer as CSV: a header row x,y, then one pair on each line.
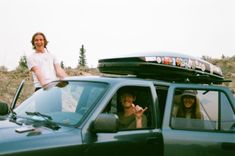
x,y
172,67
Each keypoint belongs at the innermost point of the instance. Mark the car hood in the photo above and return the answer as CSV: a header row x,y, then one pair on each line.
x,y
39,138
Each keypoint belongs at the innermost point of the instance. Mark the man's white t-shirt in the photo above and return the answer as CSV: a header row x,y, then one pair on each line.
x,y
45,61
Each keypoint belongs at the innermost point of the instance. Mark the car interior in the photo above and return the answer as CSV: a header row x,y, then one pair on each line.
x,y
143,99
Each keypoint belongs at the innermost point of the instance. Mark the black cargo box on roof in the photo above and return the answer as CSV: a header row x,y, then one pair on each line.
x,y
163,66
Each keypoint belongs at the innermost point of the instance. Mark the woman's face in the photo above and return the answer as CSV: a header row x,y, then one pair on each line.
x,y
188,101
39,42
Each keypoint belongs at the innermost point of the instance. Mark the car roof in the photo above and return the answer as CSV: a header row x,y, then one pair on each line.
x,y
115,79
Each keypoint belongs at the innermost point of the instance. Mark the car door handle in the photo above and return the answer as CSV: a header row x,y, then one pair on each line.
x,y
228,146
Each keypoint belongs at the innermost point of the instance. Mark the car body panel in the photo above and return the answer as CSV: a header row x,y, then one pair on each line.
x,y
40,140
82,99
196,142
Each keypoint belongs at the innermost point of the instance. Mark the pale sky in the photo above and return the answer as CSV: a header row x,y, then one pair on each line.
x,y
110,28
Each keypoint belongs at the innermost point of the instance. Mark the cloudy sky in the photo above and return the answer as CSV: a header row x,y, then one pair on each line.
x,y
110,28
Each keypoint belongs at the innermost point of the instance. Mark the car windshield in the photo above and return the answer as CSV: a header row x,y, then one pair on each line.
x,y
64,102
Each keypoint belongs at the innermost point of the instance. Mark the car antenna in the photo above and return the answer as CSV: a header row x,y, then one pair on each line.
x,y
16,98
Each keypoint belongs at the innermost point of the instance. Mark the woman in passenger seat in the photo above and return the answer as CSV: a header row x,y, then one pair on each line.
x,y
189,107
132,115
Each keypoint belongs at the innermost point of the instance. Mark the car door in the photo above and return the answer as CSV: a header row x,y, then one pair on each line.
x,y
138,142
212,135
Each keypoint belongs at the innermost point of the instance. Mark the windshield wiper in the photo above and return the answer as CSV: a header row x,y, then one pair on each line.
x,y
13,117
39,114
47,120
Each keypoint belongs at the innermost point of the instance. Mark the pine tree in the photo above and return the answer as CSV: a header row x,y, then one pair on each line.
x,y
82,57
23,62
223,56
3,68
62,64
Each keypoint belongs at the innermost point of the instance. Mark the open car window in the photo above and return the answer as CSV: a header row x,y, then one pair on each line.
x,y
212,111
143,99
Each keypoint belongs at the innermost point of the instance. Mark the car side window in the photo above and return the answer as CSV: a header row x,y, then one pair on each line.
x,y
227,114
140,97
211,111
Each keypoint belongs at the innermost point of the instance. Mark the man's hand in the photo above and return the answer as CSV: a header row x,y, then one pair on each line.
x,y
138,110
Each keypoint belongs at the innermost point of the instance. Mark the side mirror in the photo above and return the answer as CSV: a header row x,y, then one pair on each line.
x,y
4,110
106,123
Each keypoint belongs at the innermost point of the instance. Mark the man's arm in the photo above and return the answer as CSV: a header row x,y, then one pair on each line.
x,y
60,72
139,112
39,75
